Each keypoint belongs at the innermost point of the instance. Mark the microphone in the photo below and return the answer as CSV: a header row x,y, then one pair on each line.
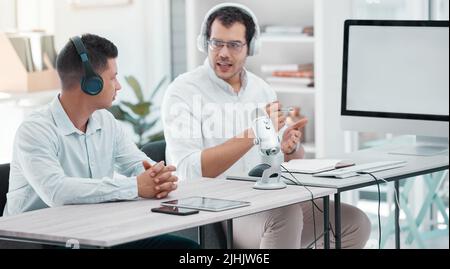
x,y
269,145
266,136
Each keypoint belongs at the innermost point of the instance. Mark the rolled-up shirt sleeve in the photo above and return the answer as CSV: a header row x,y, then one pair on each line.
x,y
183,134
37,152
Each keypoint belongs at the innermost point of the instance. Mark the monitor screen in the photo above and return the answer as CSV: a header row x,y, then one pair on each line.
x,y
396,77
396,69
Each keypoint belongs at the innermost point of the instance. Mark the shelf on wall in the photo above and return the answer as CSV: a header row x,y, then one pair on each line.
x,y
28,98
293,89
287,38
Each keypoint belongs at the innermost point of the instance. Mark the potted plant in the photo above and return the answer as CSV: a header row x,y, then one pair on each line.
x,y
137,114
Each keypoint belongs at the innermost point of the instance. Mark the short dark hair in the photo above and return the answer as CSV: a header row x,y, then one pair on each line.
x,y
68,63
229,16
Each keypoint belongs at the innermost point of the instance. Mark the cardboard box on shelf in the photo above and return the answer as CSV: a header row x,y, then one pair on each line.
x,y
15,75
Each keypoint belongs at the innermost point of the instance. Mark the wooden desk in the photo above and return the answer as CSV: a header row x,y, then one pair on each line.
x,y
110,224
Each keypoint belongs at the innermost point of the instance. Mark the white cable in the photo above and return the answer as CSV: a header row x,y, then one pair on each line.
x,y
396,195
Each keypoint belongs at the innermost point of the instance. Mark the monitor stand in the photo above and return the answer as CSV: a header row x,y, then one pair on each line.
x,y
424,146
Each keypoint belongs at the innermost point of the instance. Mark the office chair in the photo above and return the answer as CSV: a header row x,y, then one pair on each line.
x,y
155,150
214,235
4,183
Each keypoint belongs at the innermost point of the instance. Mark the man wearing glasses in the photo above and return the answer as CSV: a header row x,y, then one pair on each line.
x,y
207,117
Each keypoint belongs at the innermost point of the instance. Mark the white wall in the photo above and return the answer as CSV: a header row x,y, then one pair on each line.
x,y
7,17
440,9
33,15
390,9
329,30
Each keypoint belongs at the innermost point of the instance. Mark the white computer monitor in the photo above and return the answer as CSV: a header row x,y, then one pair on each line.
x,y
396,80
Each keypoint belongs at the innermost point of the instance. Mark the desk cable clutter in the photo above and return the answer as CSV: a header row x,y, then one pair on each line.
x,y
314,205
379,200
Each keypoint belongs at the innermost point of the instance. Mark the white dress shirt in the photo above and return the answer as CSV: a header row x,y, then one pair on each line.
x,y
201,111
56,164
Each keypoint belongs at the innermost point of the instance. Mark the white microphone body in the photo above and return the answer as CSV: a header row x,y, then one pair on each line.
x,y
269,145
266,136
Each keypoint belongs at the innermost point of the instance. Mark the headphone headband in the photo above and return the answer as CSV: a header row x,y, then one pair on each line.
x,y
79,46
91,82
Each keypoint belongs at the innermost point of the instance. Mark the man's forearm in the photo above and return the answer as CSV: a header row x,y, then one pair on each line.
x,y
218,159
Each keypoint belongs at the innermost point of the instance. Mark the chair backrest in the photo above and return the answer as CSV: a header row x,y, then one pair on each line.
x,y
4,183
155,150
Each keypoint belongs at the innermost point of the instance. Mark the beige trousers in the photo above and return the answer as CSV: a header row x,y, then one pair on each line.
x,y
291,227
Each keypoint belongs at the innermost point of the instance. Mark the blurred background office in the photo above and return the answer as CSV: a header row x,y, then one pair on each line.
x,y
301,56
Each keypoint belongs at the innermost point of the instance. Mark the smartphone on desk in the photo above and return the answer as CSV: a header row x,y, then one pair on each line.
x,y
173,210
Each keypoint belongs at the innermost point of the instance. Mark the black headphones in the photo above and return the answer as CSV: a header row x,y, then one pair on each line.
x,y
91,82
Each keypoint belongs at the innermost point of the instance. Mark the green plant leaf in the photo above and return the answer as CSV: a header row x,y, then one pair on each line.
x,y
138,129
134,84
122,115
158,87
117,112
141,109
131,119
156,137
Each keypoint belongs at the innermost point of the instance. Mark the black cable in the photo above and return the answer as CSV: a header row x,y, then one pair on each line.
x,y
379,205
298,183
295,183
312,201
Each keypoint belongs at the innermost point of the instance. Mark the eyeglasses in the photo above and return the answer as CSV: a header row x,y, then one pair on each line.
x,y
233,46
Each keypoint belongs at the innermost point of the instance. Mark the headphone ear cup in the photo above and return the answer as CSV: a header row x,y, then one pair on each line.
x,y
254,47
201,43
92,85
251,47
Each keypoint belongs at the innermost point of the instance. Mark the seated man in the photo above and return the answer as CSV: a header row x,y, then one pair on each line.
x,y
208,132
67,153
